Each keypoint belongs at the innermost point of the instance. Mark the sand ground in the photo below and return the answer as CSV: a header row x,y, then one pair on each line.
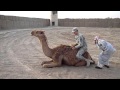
x,y
21,54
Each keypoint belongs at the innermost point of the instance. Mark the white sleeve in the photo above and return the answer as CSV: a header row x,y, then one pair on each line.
x,y
106,51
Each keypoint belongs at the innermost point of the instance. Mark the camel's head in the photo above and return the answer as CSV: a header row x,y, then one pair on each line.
x,y
39,33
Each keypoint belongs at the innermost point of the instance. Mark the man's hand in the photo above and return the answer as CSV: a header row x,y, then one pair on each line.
x,y
73,47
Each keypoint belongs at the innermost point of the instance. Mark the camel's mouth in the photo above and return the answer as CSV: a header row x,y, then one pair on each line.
x,y
32,33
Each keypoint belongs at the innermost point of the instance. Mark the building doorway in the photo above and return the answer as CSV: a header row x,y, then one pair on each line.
x,y
53,23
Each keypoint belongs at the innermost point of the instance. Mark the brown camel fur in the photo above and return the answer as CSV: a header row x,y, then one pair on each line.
x,y
63,54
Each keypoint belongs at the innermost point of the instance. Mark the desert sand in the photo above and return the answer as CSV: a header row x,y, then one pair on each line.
x,y
21,54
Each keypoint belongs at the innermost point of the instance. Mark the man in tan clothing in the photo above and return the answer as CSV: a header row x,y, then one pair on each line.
x,y
80,43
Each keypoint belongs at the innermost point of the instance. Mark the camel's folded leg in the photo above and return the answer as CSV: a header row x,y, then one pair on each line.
x,y
50,65
81,63
55,63
46,62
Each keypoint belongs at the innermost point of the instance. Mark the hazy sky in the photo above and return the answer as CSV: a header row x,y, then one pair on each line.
x,y
64,14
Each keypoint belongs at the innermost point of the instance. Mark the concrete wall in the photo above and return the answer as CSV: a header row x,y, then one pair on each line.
x,y
13,22
108,22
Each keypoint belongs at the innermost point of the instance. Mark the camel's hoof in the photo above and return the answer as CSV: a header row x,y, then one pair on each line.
x,y
46,66
43,63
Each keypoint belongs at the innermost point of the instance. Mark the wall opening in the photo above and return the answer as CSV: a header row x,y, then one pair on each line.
x,y
54,12
53,23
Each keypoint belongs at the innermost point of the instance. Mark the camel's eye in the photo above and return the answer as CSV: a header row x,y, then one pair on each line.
x,y
41,32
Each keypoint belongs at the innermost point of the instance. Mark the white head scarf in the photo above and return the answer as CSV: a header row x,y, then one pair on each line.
x,y
96,38
102,44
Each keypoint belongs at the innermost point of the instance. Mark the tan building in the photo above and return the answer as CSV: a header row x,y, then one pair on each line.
x,y
54,18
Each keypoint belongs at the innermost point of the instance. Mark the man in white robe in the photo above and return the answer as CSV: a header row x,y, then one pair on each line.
x,y
107,52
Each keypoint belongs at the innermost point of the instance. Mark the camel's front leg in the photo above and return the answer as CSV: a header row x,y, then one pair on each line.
x,y
50,65
55,63
46,62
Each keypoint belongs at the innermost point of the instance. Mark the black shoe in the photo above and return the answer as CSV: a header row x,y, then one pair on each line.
x,y
107,66
98,67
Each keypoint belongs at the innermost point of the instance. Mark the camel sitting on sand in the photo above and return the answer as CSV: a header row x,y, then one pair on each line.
x,y
62,54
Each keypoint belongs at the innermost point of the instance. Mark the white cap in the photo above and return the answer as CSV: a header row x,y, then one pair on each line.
x,y
74,29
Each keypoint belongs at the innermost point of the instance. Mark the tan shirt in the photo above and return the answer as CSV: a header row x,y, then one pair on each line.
x,y
81,42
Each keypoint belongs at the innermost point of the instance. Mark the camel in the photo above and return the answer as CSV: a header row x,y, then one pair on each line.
x,y
62,54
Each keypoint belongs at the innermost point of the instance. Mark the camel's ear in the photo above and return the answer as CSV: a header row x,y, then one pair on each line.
x,y
43,31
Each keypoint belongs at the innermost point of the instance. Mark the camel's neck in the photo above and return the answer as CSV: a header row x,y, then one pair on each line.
x,y
47,51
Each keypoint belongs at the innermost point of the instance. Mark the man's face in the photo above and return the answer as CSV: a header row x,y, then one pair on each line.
x,y
75,33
